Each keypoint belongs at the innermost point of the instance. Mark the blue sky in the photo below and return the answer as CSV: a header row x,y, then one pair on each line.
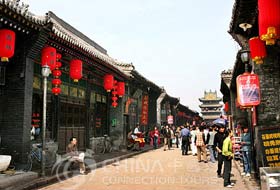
x,y
182,45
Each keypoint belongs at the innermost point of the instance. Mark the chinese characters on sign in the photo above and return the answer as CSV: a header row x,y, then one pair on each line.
x,y
145,108
270,143
248,90
170,119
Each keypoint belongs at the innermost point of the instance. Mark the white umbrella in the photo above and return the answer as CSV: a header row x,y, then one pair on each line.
x,y
219,121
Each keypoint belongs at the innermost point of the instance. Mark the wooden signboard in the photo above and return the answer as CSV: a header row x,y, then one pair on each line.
x,y
270,146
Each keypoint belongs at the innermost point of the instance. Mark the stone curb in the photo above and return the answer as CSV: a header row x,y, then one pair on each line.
x,y
44,181
6,184
248,184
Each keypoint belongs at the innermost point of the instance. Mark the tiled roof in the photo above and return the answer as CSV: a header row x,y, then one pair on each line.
x,y
226,76
68,34
86,45
244,11
22,9
210,105
135,74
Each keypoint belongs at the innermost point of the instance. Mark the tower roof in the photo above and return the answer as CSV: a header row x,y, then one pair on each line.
x,y
210,96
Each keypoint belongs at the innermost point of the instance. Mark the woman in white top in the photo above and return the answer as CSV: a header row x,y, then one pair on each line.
x,y
193,134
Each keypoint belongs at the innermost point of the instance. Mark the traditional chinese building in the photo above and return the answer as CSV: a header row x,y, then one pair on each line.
x,y
186,116
82,109
210,107
81,104
250,21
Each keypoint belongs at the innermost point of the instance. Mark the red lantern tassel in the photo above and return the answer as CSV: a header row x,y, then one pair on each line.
x,y
269,20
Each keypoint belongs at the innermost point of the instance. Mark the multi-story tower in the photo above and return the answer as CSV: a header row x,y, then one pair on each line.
x,y
210,107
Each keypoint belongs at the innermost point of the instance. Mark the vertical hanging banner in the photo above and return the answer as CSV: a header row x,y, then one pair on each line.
x,y
248,90
145,109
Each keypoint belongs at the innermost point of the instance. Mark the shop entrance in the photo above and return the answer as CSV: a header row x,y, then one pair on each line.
x,y
72,124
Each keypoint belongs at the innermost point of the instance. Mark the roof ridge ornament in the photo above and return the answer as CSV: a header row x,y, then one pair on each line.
x,y
245,26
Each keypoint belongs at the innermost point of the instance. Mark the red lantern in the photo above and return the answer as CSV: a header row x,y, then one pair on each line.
x,y
121,89
76,67
114,104
114,93
56,73
56,90
48,57
7,44
114,98
58,65
56,82
108,82
269,20
58,56
257,48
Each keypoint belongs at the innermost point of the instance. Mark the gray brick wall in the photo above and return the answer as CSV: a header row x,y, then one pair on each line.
x,y
269,74
16,106
269,109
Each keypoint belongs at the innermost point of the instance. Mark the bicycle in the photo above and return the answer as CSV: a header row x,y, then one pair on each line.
x,y
107,146
35,157
101,144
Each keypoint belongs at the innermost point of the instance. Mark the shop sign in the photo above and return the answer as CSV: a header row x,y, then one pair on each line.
x,y
248,90
170,119
145,109
270,146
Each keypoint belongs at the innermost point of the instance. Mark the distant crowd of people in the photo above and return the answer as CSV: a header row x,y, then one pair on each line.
x,y
215,138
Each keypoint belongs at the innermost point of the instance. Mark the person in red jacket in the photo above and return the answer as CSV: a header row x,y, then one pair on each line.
x,y
155,137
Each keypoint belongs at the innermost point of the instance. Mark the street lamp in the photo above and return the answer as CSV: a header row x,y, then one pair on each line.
x,y
45,73
245,58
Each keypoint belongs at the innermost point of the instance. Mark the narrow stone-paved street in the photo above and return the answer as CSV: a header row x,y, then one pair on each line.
x,y
156,169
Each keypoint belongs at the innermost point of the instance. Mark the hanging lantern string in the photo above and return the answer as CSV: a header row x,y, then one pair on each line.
x,y
56,74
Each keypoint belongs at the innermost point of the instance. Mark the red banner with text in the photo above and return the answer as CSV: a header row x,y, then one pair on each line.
x,y
145,109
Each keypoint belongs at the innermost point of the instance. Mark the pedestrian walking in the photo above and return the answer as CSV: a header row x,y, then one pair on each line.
x,y
172,139
178,137
218,145
200,145
193,135
246,151
211,144
206,136
155,137
166,132
185,134
227,157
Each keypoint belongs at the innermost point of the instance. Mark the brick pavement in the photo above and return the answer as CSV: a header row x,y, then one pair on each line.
x,y
156,169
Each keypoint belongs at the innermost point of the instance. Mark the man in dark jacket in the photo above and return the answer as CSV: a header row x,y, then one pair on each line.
x,y
166,135
218,146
